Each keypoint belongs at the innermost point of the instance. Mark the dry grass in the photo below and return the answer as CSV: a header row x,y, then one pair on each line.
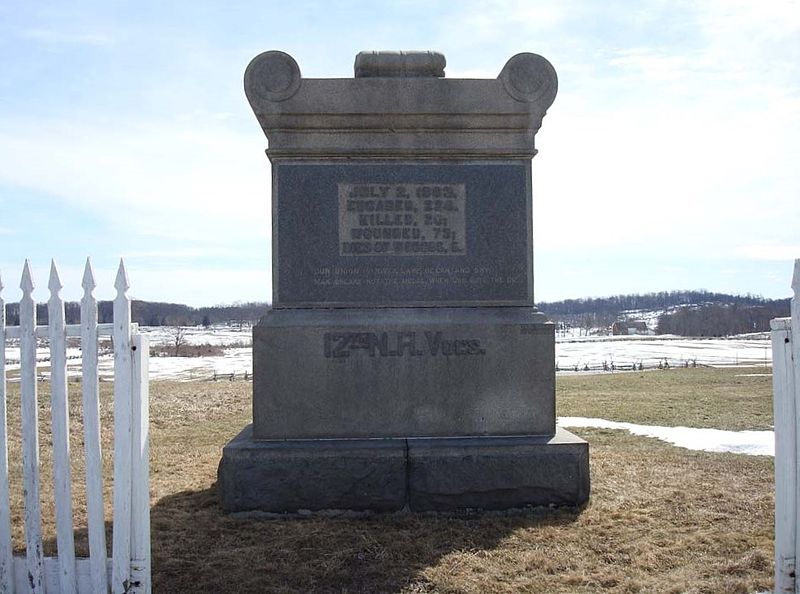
x,y
732,399
661,519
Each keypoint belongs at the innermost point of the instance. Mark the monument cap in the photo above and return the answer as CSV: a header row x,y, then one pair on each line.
x,y
400,64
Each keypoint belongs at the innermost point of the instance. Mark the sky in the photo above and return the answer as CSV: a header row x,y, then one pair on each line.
x,y
669,159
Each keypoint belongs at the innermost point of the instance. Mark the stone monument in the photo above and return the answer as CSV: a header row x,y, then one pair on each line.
x,y
402,362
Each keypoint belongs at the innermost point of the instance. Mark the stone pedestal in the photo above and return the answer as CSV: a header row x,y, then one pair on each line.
x,y
424,474
403,372
403,362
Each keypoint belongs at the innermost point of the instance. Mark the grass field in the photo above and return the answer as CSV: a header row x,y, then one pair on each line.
x,y
723,398
660,518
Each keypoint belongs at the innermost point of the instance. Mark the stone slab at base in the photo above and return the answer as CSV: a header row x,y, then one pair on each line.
x,y
497,472
288,475
440,474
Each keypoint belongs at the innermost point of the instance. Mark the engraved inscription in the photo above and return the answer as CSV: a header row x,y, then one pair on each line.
x,y
399,276
402,219
398,344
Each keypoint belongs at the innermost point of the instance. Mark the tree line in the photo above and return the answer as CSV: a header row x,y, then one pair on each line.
x,y
616,304
153,313
686,313
721,319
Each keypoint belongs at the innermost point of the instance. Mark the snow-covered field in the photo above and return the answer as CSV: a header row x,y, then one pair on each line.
x,y
216,335
571,352
624,351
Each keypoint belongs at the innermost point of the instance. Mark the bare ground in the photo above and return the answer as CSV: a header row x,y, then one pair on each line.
x,y
660,519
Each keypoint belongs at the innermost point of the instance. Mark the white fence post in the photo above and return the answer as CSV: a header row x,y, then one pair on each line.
x,y
785,415
129,569
30,433
6,552
95,510
123,375
786,394
140,494
794,342
59,408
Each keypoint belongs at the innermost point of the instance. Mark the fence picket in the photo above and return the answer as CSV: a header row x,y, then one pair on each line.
x,y
95,510
30,432
59,407
793,388
6,551
120,579
785,415
140,495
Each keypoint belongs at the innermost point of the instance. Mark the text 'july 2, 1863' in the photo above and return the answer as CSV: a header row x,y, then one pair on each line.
x,y
402,219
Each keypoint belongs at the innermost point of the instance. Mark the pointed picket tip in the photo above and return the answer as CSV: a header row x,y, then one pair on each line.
x,y
122,284
796,277
26,284
54,284
88,283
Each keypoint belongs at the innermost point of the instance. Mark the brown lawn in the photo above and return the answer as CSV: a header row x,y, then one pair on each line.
x,y
660,519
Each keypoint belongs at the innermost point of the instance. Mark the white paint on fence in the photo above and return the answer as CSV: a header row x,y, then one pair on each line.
x,y
59,406
786,394
30,432
52,575
140,446
91,430
129,569
122,434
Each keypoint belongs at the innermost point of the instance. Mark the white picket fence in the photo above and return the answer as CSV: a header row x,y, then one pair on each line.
x,y
786,402
129,568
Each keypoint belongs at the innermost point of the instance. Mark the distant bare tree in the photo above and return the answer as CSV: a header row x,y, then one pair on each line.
x,y
178,338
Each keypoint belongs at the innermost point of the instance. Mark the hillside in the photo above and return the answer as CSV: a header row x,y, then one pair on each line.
x,y
685,313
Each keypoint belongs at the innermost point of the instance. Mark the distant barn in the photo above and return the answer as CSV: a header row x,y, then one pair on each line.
x,y
629,327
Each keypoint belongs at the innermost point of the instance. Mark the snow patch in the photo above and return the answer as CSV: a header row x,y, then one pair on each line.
x,y
753,443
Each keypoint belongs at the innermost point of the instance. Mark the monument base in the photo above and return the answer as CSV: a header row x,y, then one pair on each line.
x,y
403,372
425,474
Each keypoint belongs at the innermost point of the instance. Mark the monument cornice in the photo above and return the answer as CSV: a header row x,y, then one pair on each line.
x,y
405,116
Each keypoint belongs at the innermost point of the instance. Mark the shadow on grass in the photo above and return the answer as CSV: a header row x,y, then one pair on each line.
x,y
197,548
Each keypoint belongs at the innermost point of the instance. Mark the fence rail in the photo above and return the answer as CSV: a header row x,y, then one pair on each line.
x,y
786,395
128,570
72,330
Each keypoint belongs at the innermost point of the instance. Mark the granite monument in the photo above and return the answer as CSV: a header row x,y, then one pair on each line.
x,y
402,363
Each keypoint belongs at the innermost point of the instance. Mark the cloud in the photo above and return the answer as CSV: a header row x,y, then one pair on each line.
x,y
62,37
668,177
199,286
171,179
488,20
769,251
183,253
653,64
